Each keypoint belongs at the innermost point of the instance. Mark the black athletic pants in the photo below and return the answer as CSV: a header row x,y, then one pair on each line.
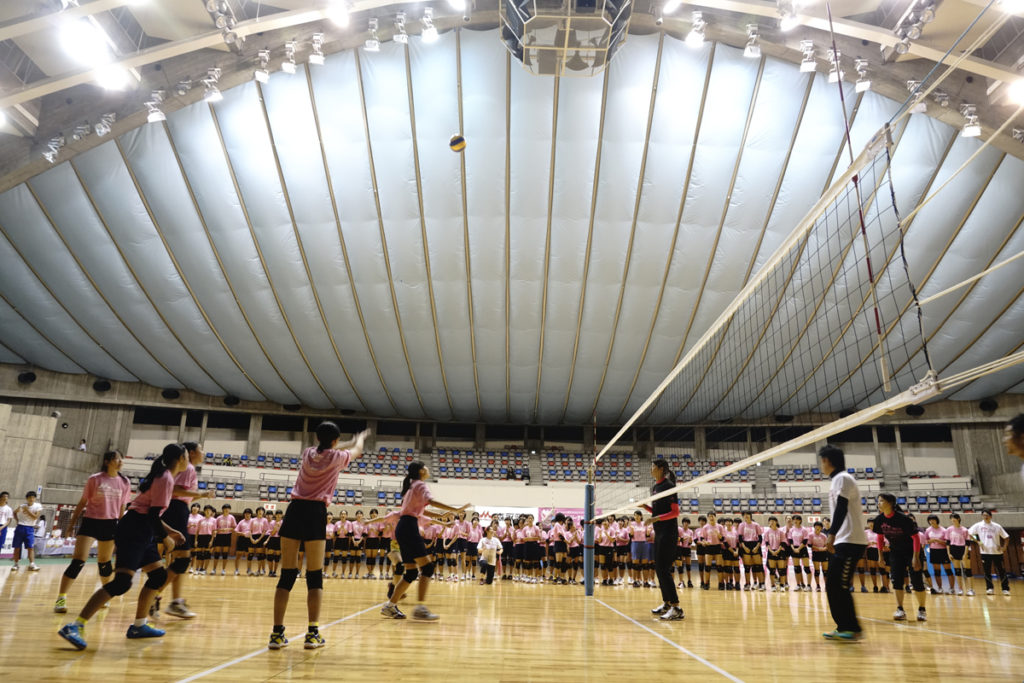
x,y
488,573
837,585
666,538
987,561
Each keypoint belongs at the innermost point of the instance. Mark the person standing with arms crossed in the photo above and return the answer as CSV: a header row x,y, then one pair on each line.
x,y
664,512
846,542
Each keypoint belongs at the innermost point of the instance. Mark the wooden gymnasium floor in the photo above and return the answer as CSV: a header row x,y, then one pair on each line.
x,y
509,633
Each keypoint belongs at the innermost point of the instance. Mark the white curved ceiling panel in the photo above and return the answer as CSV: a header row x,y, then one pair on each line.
x,y
385,89
30,344
339,107
198,143
434,78
484,112
151,157
631,78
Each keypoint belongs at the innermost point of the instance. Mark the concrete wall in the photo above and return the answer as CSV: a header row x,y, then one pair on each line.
x,y
979,452
28,457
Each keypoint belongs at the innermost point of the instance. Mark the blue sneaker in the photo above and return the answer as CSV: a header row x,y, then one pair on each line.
x,y
144,631
844,636
74,633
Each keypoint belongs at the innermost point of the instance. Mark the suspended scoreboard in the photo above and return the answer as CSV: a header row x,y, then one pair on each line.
x,y
564,37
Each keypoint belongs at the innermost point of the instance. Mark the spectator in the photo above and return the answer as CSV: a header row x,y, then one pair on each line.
x,y
27,514
510,474
6,514
82,447
526,474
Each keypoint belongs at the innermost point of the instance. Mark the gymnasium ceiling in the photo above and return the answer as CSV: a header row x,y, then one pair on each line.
x,y
313,241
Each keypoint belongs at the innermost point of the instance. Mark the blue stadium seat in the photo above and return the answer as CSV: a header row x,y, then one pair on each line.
x,y
752,502
779,502
272,490
294,462
816,501
381,496
851,470
694,502
288,490
965,500
922,500
221,488
277,462
261,461
735,502
943,500
815,471
239,488
202,486
901,501
444,471
717,502
244,460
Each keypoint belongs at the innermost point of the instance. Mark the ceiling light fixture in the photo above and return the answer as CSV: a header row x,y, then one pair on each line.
x,y
807,64
695,38
400,35
105,124
262,73
53,148
372,43
971,127
212,93
863,82
1018,134
338,13
753,48
82,130
113,77
156,114
85,43
1015,92
927,13
941,98
182,87
317,55
787,15
288,65
429,34
835,69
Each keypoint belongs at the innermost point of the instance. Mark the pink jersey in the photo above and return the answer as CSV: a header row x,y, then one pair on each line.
x,y
713,534
935,537
243,527
475,534
773,538
957,535
817,542
188,480
105,496
604,537
226,524
318,476
872,538
158,495
275,527
448,534
206,526
358,530
329,530
798,535
373,528
750,531
575,538
622,536
731,538
685,537
531,533
260,526
416,499
193,524
429,531
638,531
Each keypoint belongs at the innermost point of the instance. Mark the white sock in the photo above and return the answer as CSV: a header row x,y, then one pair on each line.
x,y
139,623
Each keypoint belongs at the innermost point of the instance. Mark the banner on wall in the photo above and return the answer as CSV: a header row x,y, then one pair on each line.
x,y
487,512
575,513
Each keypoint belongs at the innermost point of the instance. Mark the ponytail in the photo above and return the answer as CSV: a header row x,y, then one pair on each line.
x,y
326,433
663,464
891,499
173,452
414,470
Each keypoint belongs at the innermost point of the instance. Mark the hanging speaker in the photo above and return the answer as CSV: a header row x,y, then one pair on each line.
x,y
170,394
232,400
914,411
988,405
26,378
101,385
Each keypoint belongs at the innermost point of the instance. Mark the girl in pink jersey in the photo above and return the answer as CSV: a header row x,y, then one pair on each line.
x,y
355,568
639,561
243,544
260,534
750,551
796,539
575,535
374,551
775,545
418,563
712,537
204,537
819,554
329,536
731,556
223,535
938,555
194,517
958,536
274,543
305,521
476,533
560,540
686,536
103,500
604,551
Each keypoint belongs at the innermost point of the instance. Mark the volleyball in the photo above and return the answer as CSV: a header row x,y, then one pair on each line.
x,y
457,143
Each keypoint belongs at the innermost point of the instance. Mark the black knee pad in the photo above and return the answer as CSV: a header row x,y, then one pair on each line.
x,y
956,572
807,570
106,569
179,565
119,585
74,569
251,556
287,579
873,571
428,569
314,579
157,578
860,570
410,575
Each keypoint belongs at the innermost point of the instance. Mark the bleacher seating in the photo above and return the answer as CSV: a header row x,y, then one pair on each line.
x,y
455,463
687,467
573,467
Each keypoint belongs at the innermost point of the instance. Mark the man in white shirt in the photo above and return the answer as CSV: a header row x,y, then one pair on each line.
x,y
6,515
82,447
991,539
846,542
24,534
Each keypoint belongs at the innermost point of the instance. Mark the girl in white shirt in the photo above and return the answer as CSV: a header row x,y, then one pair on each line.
x,y
489,549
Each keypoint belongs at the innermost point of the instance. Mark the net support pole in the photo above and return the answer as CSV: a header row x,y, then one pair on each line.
x,y
588,538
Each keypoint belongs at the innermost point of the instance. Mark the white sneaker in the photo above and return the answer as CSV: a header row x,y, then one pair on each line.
x,y
661,609
180,610
1006,591
14,568
959,591
422,613
673,614
222,572
949,591
989,592
33,567
970,592
899,614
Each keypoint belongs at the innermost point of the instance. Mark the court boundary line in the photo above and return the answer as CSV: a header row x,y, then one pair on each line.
x,y
674,644
254,653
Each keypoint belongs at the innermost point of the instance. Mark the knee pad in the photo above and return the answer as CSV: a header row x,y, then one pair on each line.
x,y
956,572
428,569
807,570
314,579
251,556
179,565
817,572
287,579
106,569
74,569
156,579
873,571
119,585
410,575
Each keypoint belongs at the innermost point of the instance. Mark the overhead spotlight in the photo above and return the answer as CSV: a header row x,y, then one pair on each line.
x,y
671,6
1018,134
457,5
835,70
338,13
288,65
372,43
262,73
787,15
429,33
400,35
317,55
81,131
182,87
156,114
971,127
1015,92
232,39
212,93
695,38
902,47
753,48
914,26
927,12
941,98
1012,6
84,42
807,64
53,148
113,77
863,82
105,124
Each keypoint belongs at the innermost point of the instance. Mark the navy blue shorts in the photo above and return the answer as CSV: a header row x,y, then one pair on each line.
x,y
24,537
176,516
134,542
410,543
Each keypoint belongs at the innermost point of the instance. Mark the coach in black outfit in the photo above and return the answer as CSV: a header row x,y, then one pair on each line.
x,y
664,512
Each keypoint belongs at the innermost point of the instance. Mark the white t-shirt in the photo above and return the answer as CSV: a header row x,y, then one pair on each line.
x,y
40,529
6,514
488,548
988,534
24,519
852,530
